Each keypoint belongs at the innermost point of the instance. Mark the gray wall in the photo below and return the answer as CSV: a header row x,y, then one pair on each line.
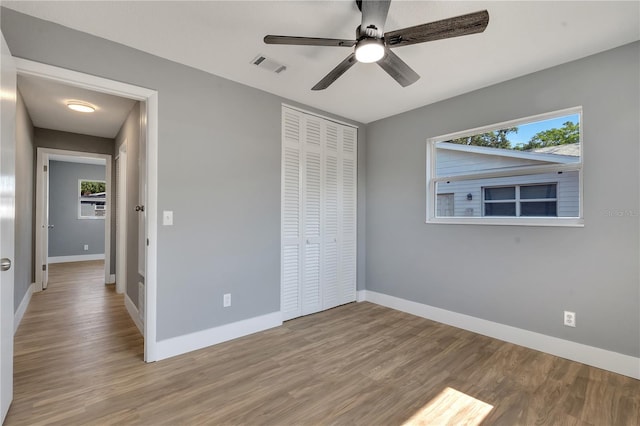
x,y
55,139
70,234
130,131
23,263
218,170
521,276
47,138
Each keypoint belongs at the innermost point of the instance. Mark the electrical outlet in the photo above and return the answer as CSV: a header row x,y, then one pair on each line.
x,y
86,247
569,319
226,300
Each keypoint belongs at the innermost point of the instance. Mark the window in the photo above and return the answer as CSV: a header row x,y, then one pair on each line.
x,y
91,199
526,171
521,200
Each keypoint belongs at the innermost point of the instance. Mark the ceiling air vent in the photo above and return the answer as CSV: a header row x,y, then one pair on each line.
x,y
268,64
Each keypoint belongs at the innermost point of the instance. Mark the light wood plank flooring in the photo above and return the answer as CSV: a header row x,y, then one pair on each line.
x,y
78,360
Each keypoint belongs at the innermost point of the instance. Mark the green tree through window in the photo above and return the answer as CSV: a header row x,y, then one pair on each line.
x,y
569,133
90,187
495,139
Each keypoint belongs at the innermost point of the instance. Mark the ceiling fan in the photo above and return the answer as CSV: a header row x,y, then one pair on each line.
x,y
372,44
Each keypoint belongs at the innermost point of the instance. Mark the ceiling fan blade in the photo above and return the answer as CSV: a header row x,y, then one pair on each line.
x,y
308,41
471,23
398,69
336,72
374,13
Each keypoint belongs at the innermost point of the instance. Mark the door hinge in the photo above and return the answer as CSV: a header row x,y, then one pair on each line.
x,y
45,167
44,267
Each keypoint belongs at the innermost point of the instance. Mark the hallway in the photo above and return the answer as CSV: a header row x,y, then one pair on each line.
x,y
76,311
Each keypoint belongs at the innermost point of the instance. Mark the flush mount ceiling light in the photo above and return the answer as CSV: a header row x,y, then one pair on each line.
x,y
80,106
369,50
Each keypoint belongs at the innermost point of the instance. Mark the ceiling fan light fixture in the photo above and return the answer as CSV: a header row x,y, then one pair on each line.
x,y
369,50
80,106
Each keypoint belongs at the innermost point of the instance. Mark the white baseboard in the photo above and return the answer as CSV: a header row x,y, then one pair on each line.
x,y
133,313
212,336
590,355
17,317
361,295
78,258
112,279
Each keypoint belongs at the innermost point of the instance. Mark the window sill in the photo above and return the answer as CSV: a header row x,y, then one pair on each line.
x,y
570,222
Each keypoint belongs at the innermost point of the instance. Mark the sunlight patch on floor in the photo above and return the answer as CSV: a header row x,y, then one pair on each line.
x,y
451,407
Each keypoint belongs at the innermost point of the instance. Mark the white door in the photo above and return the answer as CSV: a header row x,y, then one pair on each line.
x,y
42,220
142,213
311,217
319,194
330,219
45,224
121,219
348,233
142,191
7,212
290,302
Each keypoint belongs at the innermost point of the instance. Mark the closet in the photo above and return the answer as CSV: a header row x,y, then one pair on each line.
x,y
319,201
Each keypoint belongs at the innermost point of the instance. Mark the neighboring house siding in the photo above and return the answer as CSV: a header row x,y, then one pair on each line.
x,y
70,234
452,163
455,163
567,192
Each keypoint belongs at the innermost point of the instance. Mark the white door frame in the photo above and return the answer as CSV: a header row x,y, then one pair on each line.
x,y
121,218
42,208
150,97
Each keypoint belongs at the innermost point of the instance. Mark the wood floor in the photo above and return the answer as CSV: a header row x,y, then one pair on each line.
x,y
78,360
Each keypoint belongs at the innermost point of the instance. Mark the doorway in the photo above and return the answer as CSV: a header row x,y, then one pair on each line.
x,y
64,197
149,116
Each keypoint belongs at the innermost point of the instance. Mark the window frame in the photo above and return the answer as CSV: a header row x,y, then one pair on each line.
x,y
432,179
80,216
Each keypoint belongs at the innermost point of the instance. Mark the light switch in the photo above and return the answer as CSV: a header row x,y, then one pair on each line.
x,y
167,218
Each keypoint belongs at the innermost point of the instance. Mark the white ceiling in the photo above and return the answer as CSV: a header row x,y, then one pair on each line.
x,y
46,102
222,37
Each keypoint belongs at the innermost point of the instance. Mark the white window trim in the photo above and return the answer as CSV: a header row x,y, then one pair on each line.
x,y
432,180
80,216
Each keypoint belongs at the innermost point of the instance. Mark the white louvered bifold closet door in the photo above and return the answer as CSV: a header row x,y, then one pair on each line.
x,y
291,216
319,190
331,228
348,229
311,212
